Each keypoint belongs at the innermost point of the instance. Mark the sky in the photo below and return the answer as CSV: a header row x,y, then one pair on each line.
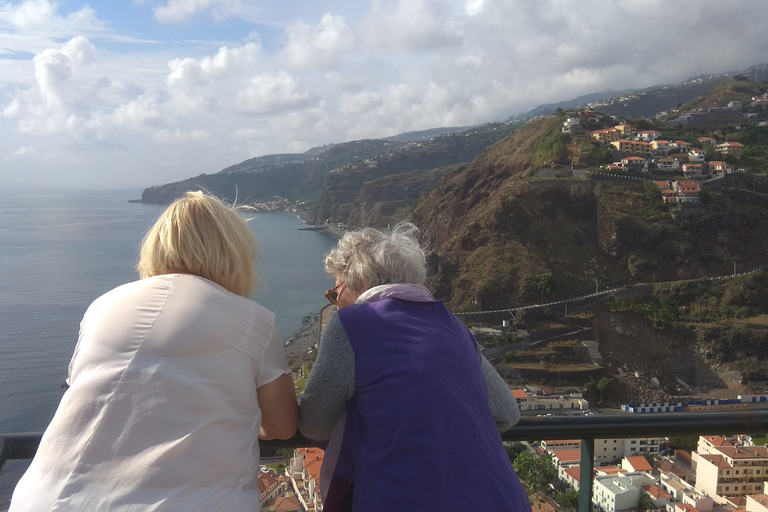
x,y
136,93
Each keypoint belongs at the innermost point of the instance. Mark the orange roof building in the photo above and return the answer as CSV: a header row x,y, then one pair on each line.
x,y
636,463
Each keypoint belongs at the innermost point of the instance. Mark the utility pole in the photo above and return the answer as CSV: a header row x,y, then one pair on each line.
x,y
596,285
734,269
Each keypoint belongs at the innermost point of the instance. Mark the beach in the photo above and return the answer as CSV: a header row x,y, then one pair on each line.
x,y
297,349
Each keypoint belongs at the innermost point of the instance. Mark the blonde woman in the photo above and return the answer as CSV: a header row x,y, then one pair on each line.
x,y
173,378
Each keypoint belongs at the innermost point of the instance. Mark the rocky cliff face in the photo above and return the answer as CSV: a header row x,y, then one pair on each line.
x,y
342,187
496,229
389,200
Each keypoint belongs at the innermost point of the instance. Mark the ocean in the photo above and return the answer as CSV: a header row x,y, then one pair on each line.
x,y
61,250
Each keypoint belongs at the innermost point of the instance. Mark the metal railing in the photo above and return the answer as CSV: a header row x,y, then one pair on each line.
x,y
586,428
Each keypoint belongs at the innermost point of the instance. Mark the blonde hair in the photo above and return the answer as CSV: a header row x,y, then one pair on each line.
x,y
198,234
372,257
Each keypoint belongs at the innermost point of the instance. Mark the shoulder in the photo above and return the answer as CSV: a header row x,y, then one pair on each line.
x,y
212,293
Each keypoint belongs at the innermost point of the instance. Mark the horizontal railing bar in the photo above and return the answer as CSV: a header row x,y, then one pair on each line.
x,y
24,445
608,426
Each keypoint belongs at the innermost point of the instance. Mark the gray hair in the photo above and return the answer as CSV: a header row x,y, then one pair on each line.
x,y
378,258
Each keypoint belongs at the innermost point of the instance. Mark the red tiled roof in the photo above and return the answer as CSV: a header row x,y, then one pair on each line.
x,y
761,499
668,466
574,472
717,440
267,483
287,504
685,507
656,491
519,393
752,452
717,460
639,463
611,470
567,455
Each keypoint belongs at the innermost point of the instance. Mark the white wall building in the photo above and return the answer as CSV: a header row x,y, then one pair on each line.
x,y
619,492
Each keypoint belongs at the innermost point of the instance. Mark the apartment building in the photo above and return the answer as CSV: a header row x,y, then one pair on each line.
x,y
607,450
730,473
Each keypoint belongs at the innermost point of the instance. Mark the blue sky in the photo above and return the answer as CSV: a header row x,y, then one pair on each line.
x,y
120,93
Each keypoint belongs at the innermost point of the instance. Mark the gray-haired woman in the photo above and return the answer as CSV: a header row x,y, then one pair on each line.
x,y
409,407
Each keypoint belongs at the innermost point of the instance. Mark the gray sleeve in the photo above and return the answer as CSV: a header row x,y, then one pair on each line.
x,y
503,405
330,385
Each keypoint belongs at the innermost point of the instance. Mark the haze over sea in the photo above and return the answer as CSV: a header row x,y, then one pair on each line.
x,y
61,250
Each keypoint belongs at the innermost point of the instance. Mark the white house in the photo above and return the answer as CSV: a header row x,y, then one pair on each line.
x,y
531,402
619,492
667,164
659,496
696,155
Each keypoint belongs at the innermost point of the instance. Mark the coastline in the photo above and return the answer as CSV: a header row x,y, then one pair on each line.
x,y
296,351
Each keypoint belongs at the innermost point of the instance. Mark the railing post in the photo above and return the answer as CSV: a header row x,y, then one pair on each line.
x,y
4,452
586,468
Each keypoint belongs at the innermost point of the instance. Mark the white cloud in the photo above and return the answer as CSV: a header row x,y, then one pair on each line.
x,y
30,25
317,46
179,10
143,111
195,84
411,26
24,150
269,94
179,136
54,70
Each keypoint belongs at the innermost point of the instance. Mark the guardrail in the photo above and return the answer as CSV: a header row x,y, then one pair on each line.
x,y
586,428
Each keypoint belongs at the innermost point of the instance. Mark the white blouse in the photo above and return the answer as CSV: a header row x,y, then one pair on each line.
x,y
162,411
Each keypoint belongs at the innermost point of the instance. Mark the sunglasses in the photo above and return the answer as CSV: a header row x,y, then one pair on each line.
x,y
333,294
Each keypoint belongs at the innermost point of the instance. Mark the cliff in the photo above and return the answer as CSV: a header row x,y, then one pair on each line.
x,y
291,176
342,186
502,235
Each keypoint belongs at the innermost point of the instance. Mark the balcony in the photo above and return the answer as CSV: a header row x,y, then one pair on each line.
x,y
587,428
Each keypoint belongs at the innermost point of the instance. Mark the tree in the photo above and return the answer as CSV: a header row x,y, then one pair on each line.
x,y
513,450
538,473
545,284
684,442
646,503
603,385
569,500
